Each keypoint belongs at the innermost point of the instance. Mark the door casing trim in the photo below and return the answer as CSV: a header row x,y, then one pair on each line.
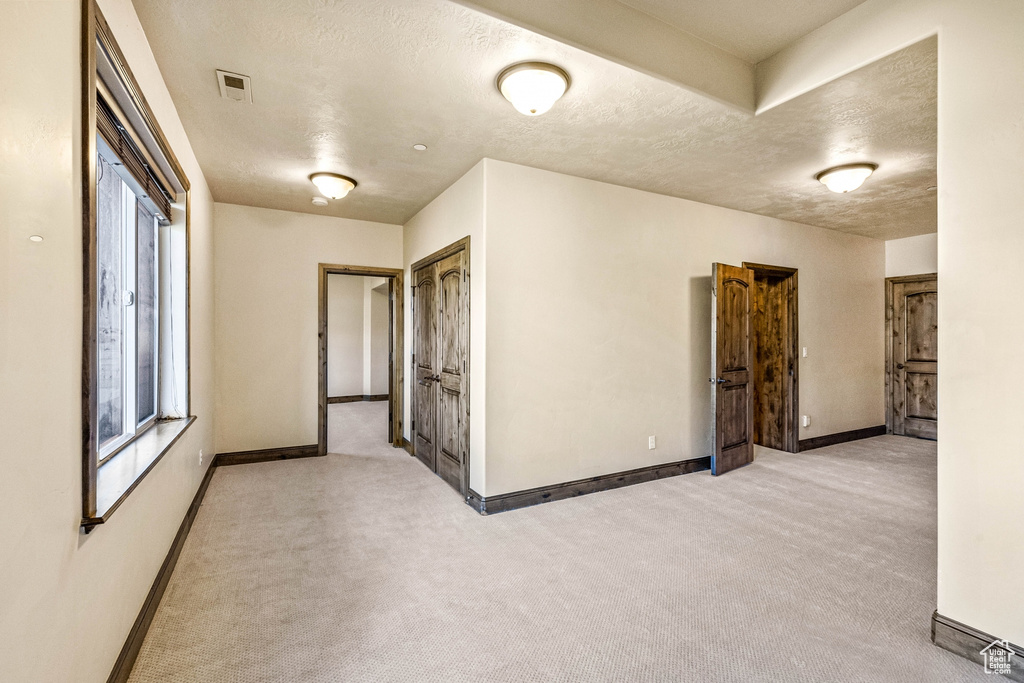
x,y
396,365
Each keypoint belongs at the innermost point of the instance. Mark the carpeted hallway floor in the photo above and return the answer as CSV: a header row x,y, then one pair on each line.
x,y
364,566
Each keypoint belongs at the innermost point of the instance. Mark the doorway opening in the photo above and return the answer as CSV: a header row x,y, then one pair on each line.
x,y
754,337
775,326
360,346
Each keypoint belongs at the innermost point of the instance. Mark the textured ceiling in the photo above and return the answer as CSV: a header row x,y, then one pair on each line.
x,y
350,86
750,29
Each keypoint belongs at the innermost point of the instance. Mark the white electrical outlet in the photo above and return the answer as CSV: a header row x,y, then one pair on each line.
x,y
806,421
805,352
200,456
651,444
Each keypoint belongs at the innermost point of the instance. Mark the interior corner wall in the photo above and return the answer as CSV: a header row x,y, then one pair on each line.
x,y
912,255
68,599
457,213
266,333
981,322
345,333
599,324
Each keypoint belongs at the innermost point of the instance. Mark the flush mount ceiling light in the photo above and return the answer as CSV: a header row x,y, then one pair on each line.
x,y
533,87
846,178
332,185
420,147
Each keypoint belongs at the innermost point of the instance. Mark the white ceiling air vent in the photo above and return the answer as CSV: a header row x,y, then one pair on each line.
x,y
234,86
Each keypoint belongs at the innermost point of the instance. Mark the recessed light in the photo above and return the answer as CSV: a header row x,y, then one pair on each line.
x,y
846,178
333,185
420,148
36,238
319,201
533,87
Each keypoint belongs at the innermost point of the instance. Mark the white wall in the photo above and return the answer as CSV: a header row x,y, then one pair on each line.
x,y
378,335
345,332
912,255
266,332
598,326
457,213
980,162
69,599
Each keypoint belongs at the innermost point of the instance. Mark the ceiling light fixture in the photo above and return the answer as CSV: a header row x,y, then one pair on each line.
x,y
333,185
846,178
420,147
533,87
319,201
36,238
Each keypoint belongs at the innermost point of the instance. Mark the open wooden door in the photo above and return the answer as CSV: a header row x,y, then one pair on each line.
x,y
732,361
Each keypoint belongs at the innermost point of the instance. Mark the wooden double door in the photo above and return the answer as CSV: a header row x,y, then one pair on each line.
x,y
440,390
913,361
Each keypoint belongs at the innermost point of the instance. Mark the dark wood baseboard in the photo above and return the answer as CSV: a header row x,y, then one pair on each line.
x,y
126,660
968,642
841,437
580,487
356,398
407,445
265,455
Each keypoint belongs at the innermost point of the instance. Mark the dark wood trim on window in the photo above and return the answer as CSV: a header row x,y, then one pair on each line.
x,y
396,290
95,28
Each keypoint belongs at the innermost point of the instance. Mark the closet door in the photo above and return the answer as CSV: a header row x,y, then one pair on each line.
x,y
451,366
440,361
424,414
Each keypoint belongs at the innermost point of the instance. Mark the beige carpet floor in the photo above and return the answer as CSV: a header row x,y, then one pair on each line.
x,y
364,566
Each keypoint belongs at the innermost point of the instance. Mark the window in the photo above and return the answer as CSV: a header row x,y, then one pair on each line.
x,y
127,330
135,375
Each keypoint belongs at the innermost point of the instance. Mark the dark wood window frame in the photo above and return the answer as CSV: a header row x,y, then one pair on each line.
x,y
396,398
100,500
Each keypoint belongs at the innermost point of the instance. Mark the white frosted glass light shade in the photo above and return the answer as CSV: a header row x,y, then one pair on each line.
x,y
533,87
846,178
332,185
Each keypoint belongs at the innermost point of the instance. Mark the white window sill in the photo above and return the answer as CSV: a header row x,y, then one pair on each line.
x,y
119,476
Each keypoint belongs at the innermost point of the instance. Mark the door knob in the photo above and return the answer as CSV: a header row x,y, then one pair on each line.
x,y
718,381
899,366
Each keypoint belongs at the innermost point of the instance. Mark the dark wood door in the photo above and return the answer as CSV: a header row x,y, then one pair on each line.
x,y
451,370
425,365
915,366
440,360
732,361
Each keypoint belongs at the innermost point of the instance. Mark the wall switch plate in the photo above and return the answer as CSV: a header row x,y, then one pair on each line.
x,y
200,456
805,352
651,444
806,422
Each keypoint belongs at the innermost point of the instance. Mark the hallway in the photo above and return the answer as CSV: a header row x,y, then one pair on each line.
x,y
364,566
